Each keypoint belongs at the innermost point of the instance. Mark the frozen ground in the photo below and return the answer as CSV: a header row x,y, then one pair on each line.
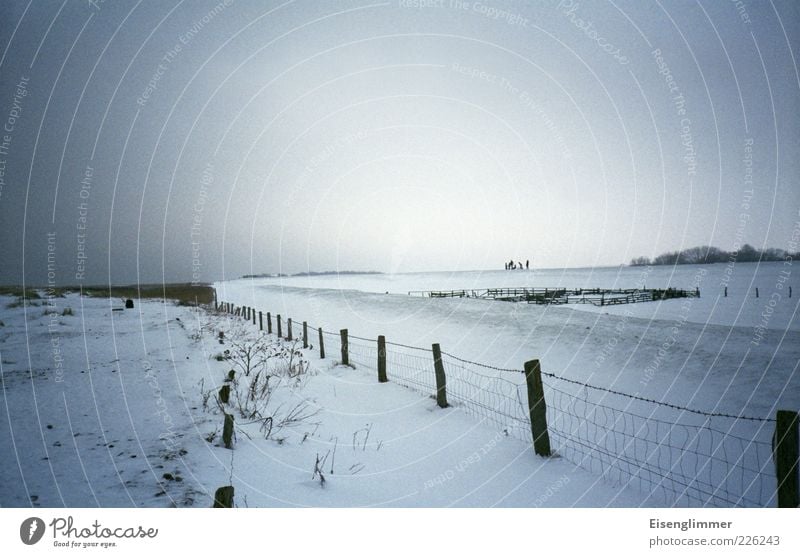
x,y
104,408
733,354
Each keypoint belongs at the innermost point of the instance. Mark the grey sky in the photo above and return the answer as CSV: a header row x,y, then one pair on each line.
x,y
287,136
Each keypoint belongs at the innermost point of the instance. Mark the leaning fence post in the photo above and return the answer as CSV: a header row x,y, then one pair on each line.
x,y
260,321
279,325
269,323
223,497
536,408
345,356
305,334
289,328
785,445
253,313
321,345
227,431
382,359
441,380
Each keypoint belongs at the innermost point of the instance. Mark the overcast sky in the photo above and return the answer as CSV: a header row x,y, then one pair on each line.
x,y
179,140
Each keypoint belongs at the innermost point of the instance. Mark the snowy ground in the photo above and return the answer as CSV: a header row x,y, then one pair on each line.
x,y
711,352
105,408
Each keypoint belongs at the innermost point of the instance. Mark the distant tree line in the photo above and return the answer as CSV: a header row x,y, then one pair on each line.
x,y
710,254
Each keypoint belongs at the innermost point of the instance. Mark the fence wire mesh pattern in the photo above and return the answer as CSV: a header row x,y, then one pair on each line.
x,y
679,456
678,459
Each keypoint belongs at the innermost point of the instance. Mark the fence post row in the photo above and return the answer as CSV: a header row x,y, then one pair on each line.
x,y
260,321
269,323
305,334
253,314
289,328
786,455
382,359
321,345
441,381
537,408
279,325
345,356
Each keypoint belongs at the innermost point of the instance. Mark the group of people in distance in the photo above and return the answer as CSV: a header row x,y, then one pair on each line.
x,y
510,265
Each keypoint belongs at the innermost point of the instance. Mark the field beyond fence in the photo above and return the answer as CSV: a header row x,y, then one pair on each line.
x,y
678,456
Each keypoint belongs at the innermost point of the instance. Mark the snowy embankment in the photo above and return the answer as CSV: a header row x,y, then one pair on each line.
x,y
117,408
735,355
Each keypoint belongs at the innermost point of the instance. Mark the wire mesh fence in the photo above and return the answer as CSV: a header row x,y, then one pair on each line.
x,y
678,456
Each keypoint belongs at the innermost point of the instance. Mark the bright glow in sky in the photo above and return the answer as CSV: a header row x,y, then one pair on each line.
x,y
202,140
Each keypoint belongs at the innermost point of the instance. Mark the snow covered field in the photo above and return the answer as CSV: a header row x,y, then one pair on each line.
x,y
106,408
116,408
734,355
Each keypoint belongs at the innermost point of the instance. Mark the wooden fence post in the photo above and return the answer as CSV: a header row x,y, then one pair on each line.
x,y
786,455
269,323
321,345
253,315
289,328
305,334
441,380
756,291
227,431
223,497
536,408
260,321
345,356
279,325
382,359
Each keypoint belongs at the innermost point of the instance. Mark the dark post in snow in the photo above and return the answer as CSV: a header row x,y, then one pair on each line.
x,y
253,313
756,291
289,328
279,325
345,356
382,359
321,346
726,291
269,323
441,380
305,334
260,321
223,497
785,445
216,307
227,431
537,408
